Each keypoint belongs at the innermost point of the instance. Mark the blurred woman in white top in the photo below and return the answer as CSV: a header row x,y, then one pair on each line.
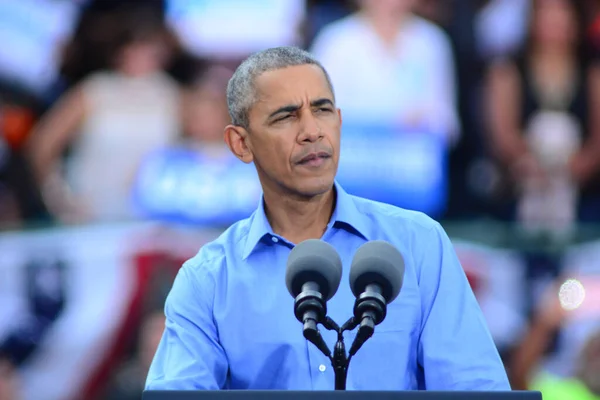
x,y
389,66
109,122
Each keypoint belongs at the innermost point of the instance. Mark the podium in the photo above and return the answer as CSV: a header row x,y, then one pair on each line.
x,y
338,395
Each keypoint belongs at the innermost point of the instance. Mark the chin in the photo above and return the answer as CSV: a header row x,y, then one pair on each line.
x,y
314,186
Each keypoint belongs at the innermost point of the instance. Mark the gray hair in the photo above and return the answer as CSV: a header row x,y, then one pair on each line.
x,y
241,92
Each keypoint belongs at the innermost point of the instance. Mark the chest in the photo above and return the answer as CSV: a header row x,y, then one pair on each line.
x,y
263,339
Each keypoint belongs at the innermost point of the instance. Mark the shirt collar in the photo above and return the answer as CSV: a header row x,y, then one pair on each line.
x,y
345,216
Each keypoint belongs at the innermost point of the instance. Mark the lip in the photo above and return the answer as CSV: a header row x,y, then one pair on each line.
x,y
313,158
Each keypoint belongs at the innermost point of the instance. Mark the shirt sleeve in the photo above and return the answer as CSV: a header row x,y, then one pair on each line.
x,y
189,356
455,349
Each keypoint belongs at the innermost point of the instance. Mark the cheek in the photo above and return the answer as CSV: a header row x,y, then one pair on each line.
x,y
334,135
273,153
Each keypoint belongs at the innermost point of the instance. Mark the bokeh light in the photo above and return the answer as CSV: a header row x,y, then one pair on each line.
x,y
571,294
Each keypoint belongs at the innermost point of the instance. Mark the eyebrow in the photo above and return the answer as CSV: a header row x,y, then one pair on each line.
x,y
295,107
285,109
321,102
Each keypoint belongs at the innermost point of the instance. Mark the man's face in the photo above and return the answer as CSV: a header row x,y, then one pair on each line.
x,y
294,131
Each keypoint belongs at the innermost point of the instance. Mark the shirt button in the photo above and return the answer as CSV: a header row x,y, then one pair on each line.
x,y
274,239
322,368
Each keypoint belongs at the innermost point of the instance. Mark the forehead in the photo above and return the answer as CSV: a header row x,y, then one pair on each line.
x,y
292,85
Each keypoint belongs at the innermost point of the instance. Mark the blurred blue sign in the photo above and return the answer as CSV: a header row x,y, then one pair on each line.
x,y
395,166
400,168
187,186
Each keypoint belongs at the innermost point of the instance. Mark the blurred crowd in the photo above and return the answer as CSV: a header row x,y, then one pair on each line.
x,y
510,88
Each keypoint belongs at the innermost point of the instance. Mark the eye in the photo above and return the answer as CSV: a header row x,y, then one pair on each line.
x,y
283,118
324,109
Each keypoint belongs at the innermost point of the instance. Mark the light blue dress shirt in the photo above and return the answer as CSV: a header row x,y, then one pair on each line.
x,y
231,324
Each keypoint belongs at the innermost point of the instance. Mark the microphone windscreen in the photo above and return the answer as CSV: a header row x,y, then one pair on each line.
x,y
314,261
377,262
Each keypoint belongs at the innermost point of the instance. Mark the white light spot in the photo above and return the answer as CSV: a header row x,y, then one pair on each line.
x,y
571,294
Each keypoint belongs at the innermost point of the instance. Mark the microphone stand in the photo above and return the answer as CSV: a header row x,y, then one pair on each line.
x,y
339,360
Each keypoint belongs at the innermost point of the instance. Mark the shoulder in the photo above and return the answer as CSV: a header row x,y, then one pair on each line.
x,y
199,279
335,33
427,29
101,77
96,86
397,219
420,239
428,34
164,81
212,257
103,84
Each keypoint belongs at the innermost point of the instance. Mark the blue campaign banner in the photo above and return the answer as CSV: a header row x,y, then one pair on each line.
x,y
396,166
403,168
187,186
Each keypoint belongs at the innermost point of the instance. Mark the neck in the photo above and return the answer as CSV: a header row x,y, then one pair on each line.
x,y
299,219
136,71
553,67
552,53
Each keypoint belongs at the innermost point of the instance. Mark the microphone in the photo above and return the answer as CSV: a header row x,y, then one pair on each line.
x,y
313,275
376,277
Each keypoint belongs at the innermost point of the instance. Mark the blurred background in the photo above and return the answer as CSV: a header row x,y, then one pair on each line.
x,y
484,114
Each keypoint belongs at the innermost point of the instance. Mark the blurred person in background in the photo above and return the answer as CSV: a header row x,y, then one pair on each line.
x,y
20,199
129,382
8,380
543,122
469,180
585,385
21,202
205,111
109,122
197,179
526,368
405,64
394,75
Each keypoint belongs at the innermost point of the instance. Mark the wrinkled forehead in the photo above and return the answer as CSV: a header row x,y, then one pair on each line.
x,y
291,85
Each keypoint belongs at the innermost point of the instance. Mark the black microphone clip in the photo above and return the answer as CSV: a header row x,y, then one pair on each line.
x,y
310,308
369,310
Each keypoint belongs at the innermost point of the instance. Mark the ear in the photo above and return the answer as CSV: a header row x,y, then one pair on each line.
x,y
236,138
339,112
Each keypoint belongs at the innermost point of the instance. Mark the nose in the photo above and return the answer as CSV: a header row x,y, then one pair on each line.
x,y
310,130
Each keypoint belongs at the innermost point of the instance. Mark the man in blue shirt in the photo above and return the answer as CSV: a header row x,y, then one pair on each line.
x,y
230,320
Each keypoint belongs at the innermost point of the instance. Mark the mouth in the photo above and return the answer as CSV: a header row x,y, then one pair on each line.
x,y
314,159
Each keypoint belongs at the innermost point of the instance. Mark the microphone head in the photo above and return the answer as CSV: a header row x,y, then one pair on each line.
x,y
314,261
377,262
